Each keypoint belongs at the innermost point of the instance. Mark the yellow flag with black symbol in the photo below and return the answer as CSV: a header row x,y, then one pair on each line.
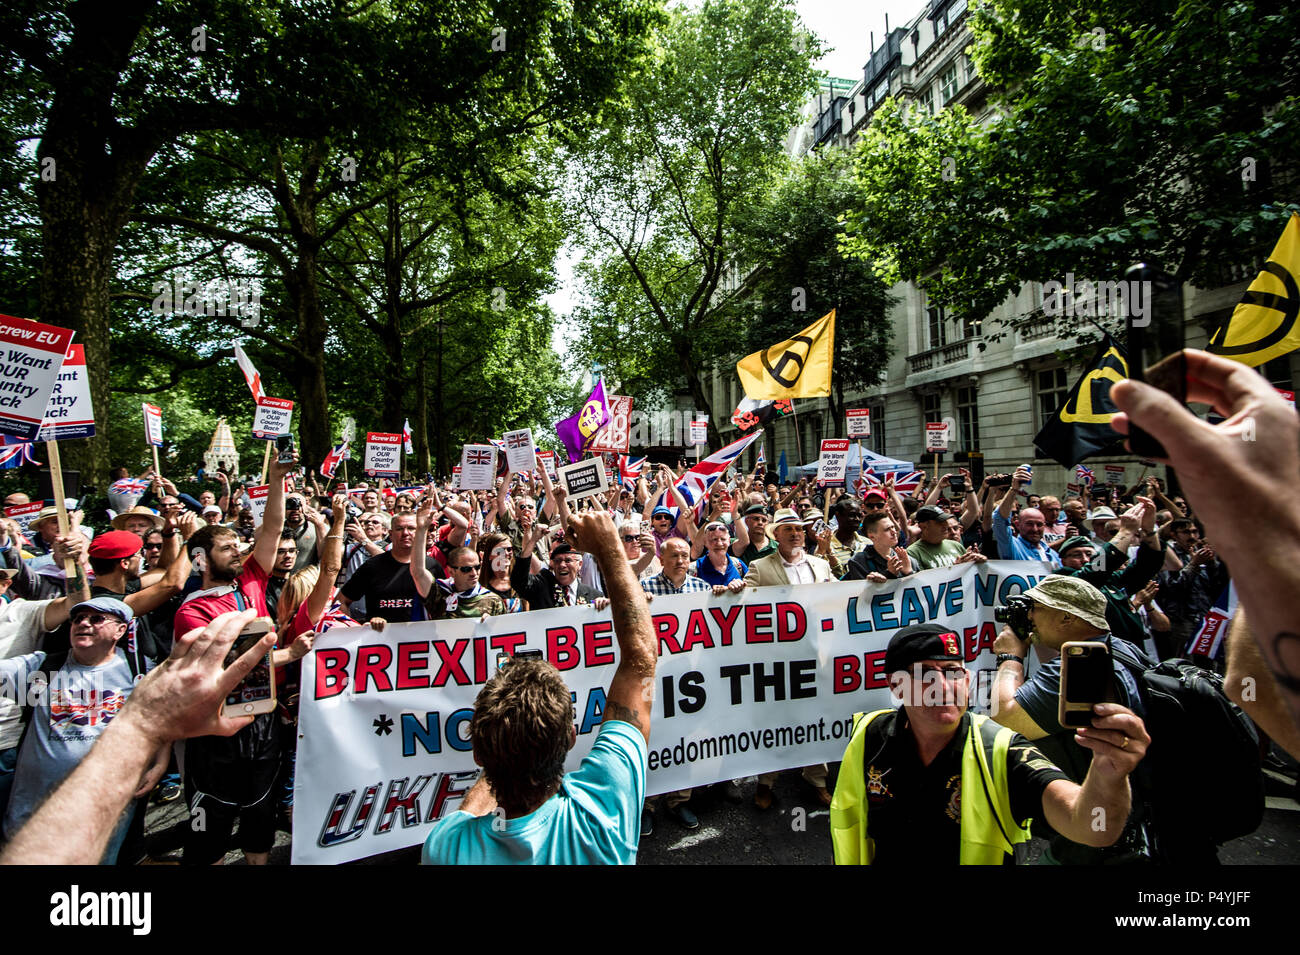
x,y
1263,325
797,368
1081,427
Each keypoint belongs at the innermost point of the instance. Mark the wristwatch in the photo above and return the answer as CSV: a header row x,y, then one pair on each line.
x,y
1004,657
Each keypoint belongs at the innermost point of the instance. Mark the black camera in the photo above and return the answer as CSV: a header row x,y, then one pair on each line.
x,y
1015,614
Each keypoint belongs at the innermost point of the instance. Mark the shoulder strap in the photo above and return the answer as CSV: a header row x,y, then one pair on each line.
x,y
989,732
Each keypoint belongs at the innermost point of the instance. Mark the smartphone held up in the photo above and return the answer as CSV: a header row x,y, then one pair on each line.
x,y
1154,327
255,693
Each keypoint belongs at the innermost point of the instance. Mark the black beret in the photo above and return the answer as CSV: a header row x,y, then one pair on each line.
x,y
923,641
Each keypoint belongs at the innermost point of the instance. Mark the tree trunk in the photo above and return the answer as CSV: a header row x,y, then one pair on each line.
x,y
308,376
88,174
702,403
421,411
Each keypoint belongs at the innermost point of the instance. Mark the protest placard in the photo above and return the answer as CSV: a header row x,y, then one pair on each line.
x,y
383,452
859,422
272,418
1115,474
455,476
585,478
69,413
520,451
31,354
936,436
758,683
153,433
478,467
547,460
833,463
699,432
615,435
257,501
24,514
1287,396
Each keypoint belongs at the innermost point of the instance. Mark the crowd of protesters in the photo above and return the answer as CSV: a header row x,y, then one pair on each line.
x,y
1137,563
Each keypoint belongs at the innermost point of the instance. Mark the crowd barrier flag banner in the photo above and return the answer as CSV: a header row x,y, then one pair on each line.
x,y
69,413
31,354
759,682
272,418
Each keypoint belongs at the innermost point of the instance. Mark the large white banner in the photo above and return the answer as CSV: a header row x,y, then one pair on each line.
x,y
763,681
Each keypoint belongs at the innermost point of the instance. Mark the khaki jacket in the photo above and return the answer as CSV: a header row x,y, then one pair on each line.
x,y
769,571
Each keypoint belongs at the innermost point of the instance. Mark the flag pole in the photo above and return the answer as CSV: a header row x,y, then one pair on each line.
x,y
266,463
56,488
157,468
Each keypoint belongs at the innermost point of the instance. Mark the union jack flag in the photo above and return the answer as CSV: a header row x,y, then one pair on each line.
x,y
694,484
336,616
906,484
129,486
93,707
1085,474
762,455
517,441
337,454
629,470
478,457
14,452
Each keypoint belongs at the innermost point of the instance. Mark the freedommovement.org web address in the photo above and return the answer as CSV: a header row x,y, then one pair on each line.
x,y
729,744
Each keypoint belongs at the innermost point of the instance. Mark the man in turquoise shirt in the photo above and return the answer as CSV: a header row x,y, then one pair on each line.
x,y
524,808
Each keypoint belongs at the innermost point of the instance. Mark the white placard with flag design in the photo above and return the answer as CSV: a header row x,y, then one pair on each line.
x,y
520,451
478,467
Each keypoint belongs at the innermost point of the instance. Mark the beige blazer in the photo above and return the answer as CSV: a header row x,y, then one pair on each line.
x,y
769,571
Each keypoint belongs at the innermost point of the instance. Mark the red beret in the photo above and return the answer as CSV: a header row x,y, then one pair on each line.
x,y
114,545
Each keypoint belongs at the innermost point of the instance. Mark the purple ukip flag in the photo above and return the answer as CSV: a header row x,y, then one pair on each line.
x,y
579,431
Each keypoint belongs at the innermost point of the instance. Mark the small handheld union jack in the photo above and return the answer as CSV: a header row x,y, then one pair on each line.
x,y
1085,474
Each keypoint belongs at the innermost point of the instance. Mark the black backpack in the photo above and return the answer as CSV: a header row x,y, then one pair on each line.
x,y
1207,782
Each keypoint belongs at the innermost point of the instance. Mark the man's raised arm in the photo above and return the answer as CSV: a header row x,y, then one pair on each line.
x,y
631,692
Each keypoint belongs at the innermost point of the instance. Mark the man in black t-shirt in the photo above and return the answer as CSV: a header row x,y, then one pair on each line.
x,y
385,580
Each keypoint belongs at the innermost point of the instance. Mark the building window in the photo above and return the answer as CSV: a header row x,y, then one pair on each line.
x,y
925,99
968,418
936,319
1052,391
877,440
930,408
949,83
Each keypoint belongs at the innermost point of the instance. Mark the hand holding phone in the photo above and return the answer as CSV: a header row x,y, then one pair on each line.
x,y
255,694
1087,678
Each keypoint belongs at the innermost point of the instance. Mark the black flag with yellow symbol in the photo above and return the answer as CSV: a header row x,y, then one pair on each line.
x,y
1263,325
1081,429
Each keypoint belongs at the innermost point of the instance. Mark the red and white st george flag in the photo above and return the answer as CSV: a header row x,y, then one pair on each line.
x,y
250,373
407,446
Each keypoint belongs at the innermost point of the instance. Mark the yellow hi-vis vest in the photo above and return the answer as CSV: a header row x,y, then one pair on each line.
x,y
988,830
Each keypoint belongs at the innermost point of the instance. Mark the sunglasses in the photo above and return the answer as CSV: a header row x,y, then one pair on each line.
x,y
466,568
157,546
95,619
630,538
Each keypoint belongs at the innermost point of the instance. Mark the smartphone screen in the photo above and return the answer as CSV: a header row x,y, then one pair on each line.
x,y
284,444
1154,328
1086,675
259,685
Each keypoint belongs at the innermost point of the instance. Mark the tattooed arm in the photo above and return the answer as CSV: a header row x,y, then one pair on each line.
x,y
72,547
631,691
